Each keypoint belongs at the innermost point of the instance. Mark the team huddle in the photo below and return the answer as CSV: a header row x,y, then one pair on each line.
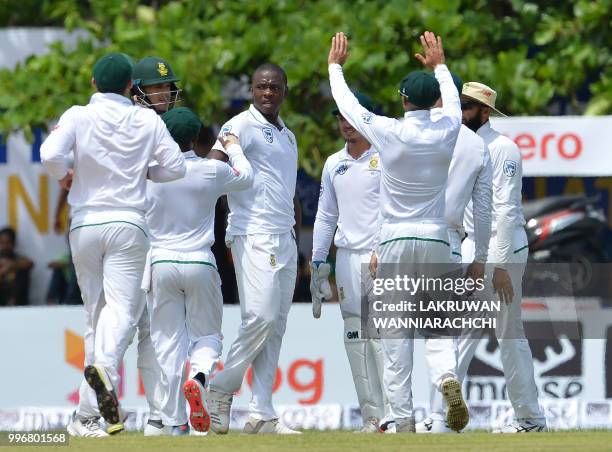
x,y
420,190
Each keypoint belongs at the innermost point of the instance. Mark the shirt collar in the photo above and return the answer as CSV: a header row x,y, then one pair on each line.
x,y
190,154
419,114
259,117
484,129
344,153
109,97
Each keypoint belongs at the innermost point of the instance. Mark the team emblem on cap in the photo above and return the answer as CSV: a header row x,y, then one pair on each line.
x,y
162,69
374,162
509,168
267,133
367,117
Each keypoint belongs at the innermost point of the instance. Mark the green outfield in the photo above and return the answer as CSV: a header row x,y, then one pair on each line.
x,y
350,442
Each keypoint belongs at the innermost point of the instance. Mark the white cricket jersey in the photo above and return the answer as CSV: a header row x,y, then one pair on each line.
x,y
181,214
415,151
507,167
469,179
266,207
349,201
113,142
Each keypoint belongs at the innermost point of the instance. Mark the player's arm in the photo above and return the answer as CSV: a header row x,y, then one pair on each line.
x,y
58,145
373,127
326,219
238,175
325,224
507,185
171,163
482,208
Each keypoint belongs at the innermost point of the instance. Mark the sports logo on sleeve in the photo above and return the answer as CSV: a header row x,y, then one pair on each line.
x,y
509,168
341,169
226,129
267,133
321,190
367,117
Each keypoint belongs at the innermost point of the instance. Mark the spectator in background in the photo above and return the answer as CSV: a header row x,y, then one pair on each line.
x,y
14,271
63,288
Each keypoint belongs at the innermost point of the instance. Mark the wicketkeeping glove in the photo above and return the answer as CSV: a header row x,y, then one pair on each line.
x,y
320,288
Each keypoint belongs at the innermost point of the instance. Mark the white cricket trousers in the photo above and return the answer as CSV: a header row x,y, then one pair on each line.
x,y
364,353
186,309
516,355
109,260
417,249
266,268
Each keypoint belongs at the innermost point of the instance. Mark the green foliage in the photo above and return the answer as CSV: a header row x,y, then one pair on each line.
x,y
530,52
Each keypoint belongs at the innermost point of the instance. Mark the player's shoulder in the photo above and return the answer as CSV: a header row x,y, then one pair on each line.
x,y
503,145
334,160
237,123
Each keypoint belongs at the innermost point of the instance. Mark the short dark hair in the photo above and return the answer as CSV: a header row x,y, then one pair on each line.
x,y
11,233
271,67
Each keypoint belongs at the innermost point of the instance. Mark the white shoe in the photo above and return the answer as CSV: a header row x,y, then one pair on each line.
x,y
370,426
387,424
524,426
429,425
154,427
88,428
273,426
405,425
98,379
219,405
457,414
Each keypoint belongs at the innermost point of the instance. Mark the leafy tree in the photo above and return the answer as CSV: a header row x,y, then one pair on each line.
x,y
532,53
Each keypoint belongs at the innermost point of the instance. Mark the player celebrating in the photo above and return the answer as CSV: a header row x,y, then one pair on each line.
x,y
415,154
349,201
508,253
185,294
155,84
469,182
264,250
113,143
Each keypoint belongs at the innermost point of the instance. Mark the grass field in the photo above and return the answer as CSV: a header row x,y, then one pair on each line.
x,y
348,441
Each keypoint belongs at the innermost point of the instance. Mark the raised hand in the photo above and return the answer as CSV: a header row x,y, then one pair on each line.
x,y
434,52
338,53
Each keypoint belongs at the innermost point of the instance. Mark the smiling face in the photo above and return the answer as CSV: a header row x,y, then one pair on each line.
x,y
269,90
349,133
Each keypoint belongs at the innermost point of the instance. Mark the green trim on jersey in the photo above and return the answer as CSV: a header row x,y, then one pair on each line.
x,y
521,249
419,239
170,261
108,222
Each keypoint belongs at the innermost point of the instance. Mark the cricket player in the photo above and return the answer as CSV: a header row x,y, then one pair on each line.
x,y
348,201
155,85
154,88
469,182
260,235
113,142
184,289
415,153
507,252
